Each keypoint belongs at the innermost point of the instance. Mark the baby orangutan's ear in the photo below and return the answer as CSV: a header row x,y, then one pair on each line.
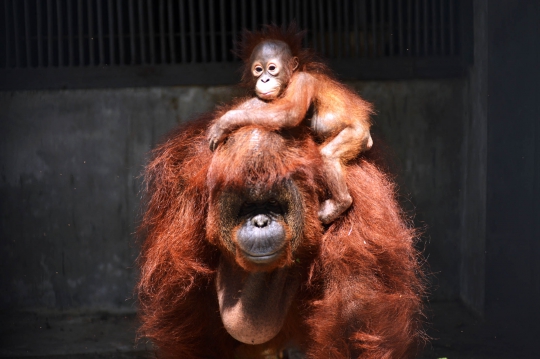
x,y
294,63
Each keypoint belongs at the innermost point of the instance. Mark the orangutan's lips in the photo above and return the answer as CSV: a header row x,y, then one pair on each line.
x,y
262,259
269,94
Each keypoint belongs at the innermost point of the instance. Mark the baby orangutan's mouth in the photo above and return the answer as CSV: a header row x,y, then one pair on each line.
x,y
269,95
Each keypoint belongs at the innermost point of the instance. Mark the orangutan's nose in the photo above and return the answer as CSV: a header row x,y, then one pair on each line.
x,y
260,221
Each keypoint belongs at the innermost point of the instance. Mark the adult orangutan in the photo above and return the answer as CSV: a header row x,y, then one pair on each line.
x,y
291,88
236,263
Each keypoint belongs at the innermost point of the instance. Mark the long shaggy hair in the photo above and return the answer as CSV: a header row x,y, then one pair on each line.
x,y
362,284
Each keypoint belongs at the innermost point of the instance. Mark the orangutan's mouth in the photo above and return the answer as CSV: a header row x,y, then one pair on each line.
x,y
262,259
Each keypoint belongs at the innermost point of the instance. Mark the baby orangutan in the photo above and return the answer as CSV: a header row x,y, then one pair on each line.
x,y
290,90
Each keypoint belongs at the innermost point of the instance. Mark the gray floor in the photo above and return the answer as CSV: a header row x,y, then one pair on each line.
x,y
456,335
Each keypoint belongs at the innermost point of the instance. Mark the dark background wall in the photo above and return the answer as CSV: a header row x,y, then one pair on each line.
x,y
513,168
70,166
466,153
71,162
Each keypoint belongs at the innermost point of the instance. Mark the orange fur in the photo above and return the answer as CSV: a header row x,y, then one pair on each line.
x,y
361,289
308,96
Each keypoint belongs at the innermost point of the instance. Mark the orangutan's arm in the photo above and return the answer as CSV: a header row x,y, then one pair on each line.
x,y
287,111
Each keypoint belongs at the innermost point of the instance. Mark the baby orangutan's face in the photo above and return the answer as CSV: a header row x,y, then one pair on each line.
x,y
272,66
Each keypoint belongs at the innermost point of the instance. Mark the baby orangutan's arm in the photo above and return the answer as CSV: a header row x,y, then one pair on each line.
x,y
284,112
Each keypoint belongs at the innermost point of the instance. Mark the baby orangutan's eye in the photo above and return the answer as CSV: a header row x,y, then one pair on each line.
x,y
273,69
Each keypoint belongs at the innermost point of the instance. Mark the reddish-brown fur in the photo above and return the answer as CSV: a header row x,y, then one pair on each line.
x,y
360,295
309,96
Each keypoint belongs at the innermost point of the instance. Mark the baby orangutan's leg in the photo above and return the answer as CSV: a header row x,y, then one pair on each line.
x,y
345,146
341,199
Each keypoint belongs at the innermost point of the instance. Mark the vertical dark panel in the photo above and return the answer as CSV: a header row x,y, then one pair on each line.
x,y
401,50
512,208
330,31
274,11
183,37
80,25
141,32
8,39
391,27
365,32
27,35
71,59
254,15
451,25
112,48
356,12
347,29
434,23
234,21
60,33
172,48
340,16
120,16
39,32
265,12
442,29
132,50
417,27
243,18
49,34
151,32
90,33
202,27
100,33
161,12
374,27
304,11
314,27
16,34
321,27
298,14
212,32
283,18
426,28
192,31
223,31
409,28
290,12
382,42
306,19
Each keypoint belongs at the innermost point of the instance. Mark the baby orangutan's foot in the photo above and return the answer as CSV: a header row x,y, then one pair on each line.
x,y
332,209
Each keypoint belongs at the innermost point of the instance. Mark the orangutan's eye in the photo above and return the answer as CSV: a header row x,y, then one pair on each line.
x,y
273,69
257,70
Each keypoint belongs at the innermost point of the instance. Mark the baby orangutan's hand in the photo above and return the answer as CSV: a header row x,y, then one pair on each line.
x,y
216,135
221,128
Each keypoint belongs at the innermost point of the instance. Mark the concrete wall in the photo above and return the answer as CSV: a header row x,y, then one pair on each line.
x,y
474,169
70,165
513,170
421,123
69,182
